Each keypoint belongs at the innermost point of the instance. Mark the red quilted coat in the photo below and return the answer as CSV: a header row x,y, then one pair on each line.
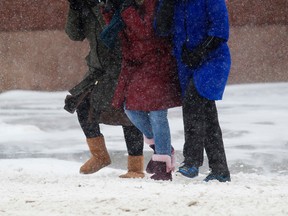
x,y
148,79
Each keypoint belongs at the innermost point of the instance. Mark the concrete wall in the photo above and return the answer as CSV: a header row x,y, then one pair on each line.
x,y
36,54
40,60
17,15
259,54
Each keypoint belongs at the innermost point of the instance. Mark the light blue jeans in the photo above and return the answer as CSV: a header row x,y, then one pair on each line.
x,y
154,125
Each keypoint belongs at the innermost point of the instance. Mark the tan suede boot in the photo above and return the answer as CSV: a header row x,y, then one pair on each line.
x,y
99,156
135,167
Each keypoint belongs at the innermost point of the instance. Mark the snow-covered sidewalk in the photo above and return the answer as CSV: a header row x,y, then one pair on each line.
x,y
33,124
49,187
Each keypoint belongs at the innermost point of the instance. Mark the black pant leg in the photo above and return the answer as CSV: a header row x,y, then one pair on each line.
x,y
214,146
193,118
90,128
134,140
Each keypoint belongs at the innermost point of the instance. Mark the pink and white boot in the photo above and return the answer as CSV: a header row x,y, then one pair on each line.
x,y
152,165
163,167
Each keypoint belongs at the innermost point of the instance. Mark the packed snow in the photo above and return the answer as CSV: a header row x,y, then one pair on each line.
x,y
42,148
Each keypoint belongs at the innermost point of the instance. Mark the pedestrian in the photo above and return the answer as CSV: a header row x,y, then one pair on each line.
x,y
92,97
148,84
200,31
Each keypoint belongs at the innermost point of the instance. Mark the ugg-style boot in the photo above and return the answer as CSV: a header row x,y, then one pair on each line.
x,y
99,156
135,167
163,168
151,166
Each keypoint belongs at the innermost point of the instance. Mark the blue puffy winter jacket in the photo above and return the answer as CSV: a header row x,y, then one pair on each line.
x,y
194,20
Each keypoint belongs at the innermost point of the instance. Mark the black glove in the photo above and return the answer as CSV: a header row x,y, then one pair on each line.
x,y
76,4
195,57
71,103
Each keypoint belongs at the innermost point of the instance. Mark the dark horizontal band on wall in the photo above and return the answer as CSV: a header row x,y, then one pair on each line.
x,y
28,15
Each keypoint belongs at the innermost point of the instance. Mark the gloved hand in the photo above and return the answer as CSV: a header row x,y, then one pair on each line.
x,y
195,57
76,4
70,103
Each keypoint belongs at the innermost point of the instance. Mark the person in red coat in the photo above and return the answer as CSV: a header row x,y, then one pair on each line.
x,y
148,83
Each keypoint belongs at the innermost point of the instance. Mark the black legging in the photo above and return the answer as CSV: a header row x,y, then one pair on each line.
x,y
133,137
202,131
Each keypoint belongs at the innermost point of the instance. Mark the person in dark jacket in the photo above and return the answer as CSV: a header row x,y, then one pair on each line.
x,y
148,83
92,97
200,31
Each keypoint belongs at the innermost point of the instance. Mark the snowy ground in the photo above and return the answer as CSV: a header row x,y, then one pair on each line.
x,y
42,148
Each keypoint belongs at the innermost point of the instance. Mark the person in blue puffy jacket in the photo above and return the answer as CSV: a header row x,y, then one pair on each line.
x,y
200,31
